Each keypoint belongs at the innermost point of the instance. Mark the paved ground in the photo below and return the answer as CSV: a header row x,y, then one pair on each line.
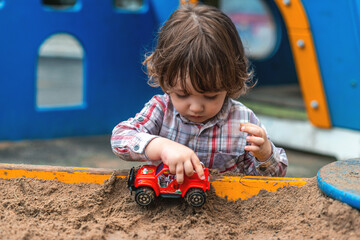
x,y
96,152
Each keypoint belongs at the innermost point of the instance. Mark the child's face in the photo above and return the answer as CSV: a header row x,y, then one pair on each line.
x,y
194,106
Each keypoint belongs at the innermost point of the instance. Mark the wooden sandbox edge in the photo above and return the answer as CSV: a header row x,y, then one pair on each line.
x,y
231,187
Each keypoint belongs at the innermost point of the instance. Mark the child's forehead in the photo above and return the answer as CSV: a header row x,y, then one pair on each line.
x,y
192,91
188,88
185,87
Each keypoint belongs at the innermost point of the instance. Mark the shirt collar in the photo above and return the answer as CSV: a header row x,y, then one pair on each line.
x,y
220,119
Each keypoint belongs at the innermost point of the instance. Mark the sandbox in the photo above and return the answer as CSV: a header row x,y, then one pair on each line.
x,y
48,209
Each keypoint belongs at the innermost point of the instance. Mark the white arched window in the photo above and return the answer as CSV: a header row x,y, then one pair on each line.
x,y
60,81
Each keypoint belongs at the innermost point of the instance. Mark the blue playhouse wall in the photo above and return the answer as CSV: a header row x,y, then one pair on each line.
x,y
114,44
335,27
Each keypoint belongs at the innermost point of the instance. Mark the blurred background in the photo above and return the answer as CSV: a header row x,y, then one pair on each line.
x,y
71,70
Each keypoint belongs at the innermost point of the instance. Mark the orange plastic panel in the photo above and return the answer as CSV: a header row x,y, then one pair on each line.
x,y
306,62
245,187
189,1
62,174
231,187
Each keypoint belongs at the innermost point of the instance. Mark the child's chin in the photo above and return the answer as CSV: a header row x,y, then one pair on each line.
x,y
198,119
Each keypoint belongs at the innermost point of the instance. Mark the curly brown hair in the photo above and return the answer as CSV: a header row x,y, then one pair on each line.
x,y
201,43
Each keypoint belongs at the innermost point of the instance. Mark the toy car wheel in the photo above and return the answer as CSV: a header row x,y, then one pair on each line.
x,y
196,197
144,196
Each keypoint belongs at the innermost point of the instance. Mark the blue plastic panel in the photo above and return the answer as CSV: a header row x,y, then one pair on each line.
x,y
335,27
114,44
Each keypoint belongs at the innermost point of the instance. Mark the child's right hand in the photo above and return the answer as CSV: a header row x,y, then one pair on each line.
x,y
178,157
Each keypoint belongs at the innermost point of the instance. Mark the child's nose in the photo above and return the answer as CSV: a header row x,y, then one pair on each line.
x,y
196,107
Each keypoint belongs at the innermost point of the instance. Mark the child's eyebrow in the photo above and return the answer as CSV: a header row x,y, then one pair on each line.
x,y
179,90
211,93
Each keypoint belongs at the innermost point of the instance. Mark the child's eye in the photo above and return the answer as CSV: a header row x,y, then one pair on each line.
x,y
211,97
182,95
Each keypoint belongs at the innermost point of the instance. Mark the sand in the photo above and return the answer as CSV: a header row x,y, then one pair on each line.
x,y
38,209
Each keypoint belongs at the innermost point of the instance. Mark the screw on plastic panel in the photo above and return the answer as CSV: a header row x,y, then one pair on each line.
x,y
300,43
314,104
286,2
353,83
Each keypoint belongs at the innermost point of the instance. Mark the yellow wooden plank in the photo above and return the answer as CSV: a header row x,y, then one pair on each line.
x,y
245,187
62,174
75,177
231,187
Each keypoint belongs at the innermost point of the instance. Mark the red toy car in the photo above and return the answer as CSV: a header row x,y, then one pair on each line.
x,y
150,181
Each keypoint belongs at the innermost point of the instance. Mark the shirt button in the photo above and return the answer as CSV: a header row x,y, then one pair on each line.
x,y
136,147
140,119
262,168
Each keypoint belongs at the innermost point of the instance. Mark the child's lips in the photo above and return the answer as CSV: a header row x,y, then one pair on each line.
x,y
195,116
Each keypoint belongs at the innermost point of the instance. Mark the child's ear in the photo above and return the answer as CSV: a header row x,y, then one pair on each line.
x,y
165,91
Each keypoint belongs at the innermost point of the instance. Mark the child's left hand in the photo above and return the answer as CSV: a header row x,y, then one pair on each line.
x,y
260,146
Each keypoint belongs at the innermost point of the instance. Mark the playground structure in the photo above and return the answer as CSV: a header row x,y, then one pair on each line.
x,y
328,78
113,41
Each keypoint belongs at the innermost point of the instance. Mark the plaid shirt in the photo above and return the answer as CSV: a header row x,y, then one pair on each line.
x,y
218,143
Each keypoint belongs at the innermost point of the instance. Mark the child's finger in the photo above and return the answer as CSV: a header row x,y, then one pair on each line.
x,y
180,173
188,167
198,167
251,129
255,140
246,124
172,167
252,148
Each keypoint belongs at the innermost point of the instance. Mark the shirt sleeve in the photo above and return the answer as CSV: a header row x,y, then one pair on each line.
x,y
275,165
130,138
